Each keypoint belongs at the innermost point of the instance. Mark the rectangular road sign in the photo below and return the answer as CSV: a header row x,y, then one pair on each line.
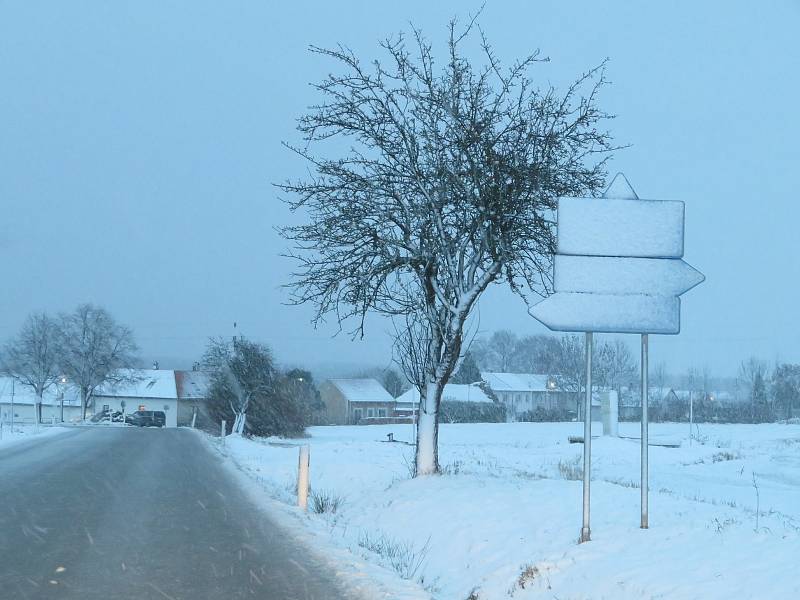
x,y
620,227
616,275
610,313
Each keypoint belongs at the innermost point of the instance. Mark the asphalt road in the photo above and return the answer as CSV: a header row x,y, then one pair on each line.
x,y
117,513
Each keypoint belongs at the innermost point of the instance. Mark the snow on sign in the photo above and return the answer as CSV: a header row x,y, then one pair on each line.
x,y
618,268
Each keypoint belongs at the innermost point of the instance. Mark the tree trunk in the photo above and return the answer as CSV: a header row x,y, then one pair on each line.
x,y
38,411
427,459
239,423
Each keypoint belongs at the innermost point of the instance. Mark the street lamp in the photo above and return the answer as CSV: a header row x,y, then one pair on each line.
x,y
62,382
549,387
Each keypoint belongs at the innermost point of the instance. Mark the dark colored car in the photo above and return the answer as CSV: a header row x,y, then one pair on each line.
x,y
147,418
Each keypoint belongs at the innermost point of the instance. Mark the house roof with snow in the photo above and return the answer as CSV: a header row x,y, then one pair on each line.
x,y
362,390
453,392
144,383
515,382
23,394
192,385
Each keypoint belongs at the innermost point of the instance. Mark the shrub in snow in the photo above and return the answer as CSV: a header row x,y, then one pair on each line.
x,y
324,501
403,557
472,412
541,414
571,469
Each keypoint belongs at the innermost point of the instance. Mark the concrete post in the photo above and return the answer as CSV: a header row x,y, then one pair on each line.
x,y
222,431
610,408
303,476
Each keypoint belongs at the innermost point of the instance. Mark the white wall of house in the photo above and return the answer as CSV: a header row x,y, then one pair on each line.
x,y
25,413
168,405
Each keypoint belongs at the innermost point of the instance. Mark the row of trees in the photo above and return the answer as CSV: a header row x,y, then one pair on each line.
x,y
253,396
561,357
86,348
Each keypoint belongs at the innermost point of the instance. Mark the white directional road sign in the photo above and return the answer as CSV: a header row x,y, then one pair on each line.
x,y
618,268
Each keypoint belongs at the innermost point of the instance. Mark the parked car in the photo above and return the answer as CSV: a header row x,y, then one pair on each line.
x,y
106,415
147,418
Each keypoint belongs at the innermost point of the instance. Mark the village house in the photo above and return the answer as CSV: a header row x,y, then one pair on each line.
x,y
353,401
18,403
408,401
192,390
525,392
148,389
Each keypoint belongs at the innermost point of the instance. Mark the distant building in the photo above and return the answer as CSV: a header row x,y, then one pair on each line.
x,y
408,401
23,400
149,389
192,390
525,392
350,401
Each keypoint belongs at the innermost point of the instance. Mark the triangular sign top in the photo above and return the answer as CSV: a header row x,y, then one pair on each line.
x,y
620,187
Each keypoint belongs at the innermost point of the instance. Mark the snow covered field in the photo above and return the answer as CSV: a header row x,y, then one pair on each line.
x,y
504,519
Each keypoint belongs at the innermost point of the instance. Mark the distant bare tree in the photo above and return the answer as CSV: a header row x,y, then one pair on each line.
x,y
450,184
32,356
659,378
570,369
615,365
749,371
94,350
392,382
536,354
786,387
501,348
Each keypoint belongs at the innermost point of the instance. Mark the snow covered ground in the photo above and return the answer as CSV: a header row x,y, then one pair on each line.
x,y
25,432
504,519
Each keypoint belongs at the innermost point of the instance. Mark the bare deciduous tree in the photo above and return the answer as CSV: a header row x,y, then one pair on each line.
x,y
615,366
749,371
32,356
94,350
450,184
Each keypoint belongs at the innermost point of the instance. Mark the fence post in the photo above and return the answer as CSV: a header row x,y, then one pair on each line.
x,y
303,476
222,431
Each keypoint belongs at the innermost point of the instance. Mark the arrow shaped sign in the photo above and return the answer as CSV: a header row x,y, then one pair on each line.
x,y
618,268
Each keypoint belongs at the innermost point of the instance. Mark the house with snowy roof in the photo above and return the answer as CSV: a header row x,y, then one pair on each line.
x,y
18,403
144,389
192,389
351,401
408,401
525,392
461,403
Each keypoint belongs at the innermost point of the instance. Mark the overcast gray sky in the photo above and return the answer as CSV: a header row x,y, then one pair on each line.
x,y
139,142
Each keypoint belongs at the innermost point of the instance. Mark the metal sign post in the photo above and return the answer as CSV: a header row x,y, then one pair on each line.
x,y
586,533
645,428
607,282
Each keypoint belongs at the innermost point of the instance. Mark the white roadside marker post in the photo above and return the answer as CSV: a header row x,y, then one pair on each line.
x,y
303,477
586,533
607,283
645,428
222,431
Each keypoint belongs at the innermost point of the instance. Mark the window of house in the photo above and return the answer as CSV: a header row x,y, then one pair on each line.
x,y
381,412
370,412
357,414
